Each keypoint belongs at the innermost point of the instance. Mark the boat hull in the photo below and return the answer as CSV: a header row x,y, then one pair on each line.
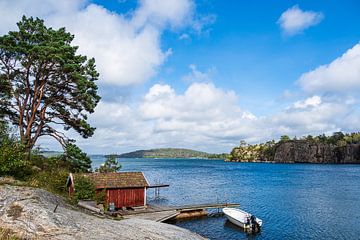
x,y
238,223
241,218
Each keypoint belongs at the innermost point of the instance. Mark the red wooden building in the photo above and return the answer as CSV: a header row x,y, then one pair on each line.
x,y
124,189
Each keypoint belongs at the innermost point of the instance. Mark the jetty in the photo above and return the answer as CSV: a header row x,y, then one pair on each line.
x,y
163,213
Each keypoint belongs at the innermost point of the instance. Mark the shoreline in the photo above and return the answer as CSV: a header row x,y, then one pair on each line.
x,y
29,213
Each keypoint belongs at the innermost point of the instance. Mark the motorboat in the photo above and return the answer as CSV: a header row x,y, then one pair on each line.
x,y
247,221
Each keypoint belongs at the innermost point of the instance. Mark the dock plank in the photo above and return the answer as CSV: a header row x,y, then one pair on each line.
x,y
163,213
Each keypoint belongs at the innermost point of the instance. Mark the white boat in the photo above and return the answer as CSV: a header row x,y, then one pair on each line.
x,y
243,219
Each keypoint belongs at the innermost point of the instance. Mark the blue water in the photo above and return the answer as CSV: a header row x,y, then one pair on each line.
x,y
295,201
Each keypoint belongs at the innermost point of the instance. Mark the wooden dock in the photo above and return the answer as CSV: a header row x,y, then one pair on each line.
x,y
163,213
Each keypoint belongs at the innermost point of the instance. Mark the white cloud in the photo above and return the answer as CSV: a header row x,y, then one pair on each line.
x,y
128,51
203,117
342,74
176,13
294,20
209,118
126,47
313,101
206,117
184,36
196,75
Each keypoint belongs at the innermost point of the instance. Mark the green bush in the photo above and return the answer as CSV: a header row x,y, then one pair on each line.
x,y
100,197
53,181
84,188
12,157
12,160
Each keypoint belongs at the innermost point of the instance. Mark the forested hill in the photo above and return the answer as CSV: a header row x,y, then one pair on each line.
x,y
170,153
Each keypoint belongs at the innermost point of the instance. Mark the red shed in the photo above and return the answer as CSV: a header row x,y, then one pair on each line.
x,y
124,189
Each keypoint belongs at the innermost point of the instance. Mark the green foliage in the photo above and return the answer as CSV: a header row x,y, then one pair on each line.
x,y
284,138
245,152
84,188
111,165
168,153
100,197
77,160
51,180
43,81
12,157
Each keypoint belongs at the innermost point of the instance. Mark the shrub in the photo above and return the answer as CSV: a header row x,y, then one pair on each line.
x,y
84,188
53,181
12,159
100,197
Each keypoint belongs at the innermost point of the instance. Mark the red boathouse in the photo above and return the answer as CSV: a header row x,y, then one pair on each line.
x,y
124,189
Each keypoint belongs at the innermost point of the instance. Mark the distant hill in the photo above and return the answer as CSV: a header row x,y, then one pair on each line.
x,y
170,153
51,153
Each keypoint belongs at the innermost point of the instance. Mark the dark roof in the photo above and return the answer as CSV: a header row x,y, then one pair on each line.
x,y
117,180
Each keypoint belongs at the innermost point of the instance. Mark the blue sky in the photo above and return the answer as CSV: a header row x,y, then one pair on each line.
x,y
206,74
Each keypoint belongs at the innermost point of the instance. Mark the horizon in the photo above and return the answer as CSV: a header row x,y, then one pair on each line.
x,y
205,74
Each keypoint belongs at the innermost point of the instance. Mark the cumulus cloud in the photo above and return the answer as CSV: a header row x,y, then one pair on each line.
x,y
203,117
342,74
128,51
127,47
208,118
313,101
294,20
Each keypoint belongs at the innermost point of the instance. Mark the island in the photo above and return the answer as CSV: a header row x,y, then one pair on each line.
x,y
171,153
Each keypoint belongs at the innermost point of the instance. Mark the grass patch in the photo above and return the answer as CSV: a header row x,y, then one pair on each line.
x,y
7,180
7,234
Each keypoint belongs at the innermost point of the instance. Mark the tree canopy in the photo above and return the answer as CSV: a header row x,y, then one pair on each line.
x,y
46,88
111,165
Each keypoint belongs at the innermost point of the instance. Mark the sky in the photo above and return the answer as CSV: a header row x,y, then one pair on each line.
x,y
205,74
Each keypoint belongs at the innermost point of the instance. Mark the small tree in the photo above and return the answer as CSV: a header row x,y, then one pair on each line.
x,y
111,165
45,86
77,160
84,188
284,138
12,160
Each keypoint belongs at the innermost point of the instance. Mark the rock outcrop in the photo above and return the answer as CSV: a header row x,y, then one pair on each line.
x,y
302,151
29,214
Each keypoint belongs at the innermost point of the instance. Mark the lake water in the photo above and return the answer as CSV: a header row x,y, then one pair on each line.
x,y
295,201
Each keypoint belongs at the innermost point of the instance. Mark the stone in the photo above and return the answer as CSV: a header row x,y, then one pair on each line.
x,y
33,218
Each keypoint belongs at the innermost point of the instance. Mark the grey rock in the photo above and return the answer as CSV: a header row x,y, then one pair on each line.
x,y
28,212
302,151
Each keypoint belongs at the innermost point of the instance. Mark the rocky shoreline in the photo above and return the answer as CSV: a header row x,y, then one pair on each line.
x,y
28,213
299,151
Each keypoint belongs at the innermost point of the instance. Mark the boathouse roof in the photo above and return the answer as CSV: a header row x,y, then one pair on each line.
x,y
116,180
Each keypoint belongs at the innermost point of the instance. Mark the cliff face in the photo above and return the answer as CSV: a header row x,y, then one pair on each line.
x,y
309,152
